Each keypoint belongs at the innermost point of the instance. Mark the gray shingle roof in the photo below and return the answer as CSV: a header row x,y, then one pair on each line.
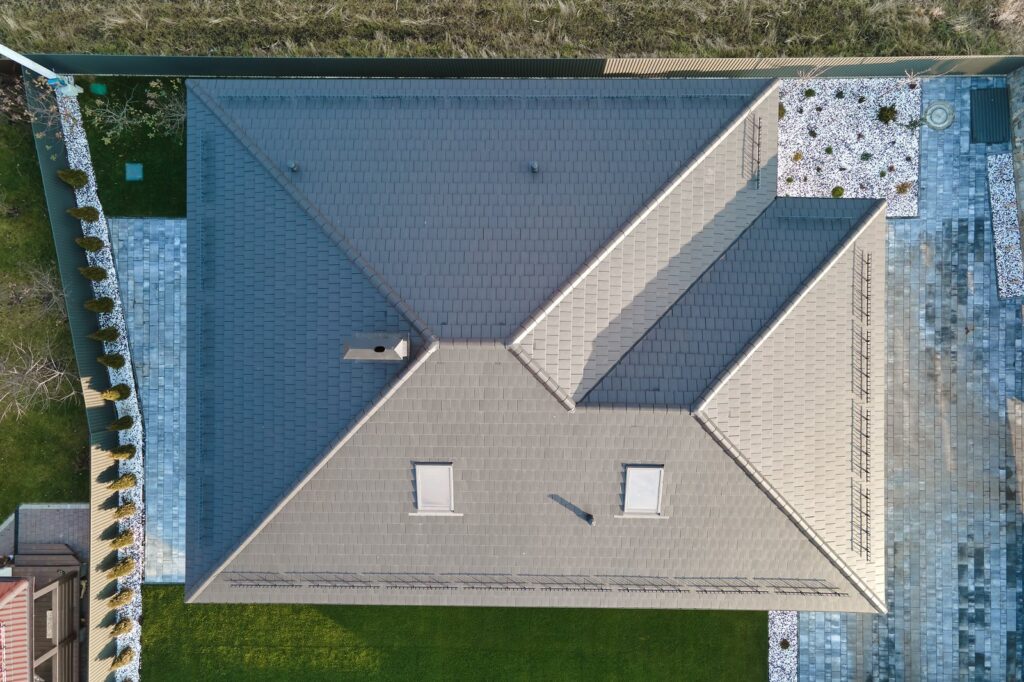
x,y
718,317
270,301
413,209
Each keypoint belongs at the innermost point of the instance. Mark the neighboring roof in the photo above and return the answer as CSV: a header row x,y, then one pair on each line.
x,y
1015,418
15,622
413,209
52,524
710,326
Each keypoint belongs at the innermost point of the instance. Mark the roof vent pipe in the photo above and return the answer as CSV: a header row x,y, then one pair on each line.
x,y
534,167
293,166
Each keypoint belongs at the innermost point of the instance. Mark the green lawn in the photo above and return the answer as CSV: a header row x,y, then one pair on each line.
x,y
162,190
251,643
43,454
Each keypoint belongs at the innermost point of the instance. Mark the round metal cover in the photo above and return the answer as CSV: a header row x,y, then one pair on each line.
x,y
939,115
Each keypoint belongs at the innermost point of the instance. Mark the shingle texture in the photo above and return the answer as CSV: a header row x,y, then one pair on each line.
x,y
709,327
318,209
513,449
271,300
617,300
431,181
806,408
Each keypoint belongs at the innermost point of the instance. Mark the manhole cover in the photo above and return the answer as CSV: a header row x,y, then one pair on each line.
x,y
939,115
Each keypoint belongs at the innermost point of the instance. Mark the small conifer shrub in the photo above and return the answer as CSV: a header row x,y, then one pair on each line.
x,y
123,482
90,243
123,627
122,598
87,213
837,192
125,539
104,304
106,334
93,273
125,510
121,423
111,360
126,451
73,177
117,392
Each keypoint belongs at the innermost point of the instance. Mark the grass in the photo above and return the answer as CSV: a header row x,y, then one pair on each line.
x,y
312,643
43,455
515,28
162,189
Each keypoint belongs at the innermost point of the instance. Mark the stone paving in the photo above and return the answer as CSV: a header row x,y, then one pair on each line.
x,y
953,517
150,259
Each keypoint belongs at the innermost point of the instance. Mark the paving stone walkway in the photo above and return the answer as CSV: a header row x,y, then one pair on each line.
x,y
953,518
150,258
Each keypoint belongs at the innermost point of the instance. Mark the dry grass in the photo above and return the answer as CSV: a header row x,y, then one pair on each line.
x,y
509,28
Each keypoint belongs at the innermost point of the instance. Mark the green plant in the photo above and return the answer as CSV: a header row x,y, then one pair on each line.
x,y
837,192
93,273
903,187
123,627
809,92
104,304
122,598
87,213
865,156
122,568
782,110
861,99
915,124
90,243
126,451
125,510
74,177
111,360
105,334
812,132
125,539
117,392
789,180
828,150
798,156
123,482
122,659
887,114
784,644
121,423
840,94
882,174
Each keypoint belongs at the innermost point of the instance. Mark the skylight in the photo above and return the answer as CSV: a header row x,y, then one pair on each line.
x,y
434,488
643,489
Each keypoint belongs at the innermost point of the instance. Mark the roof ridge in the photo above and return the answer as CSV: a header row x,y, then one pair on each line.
x,y
801,292
775,496
333,231
389,392
638,218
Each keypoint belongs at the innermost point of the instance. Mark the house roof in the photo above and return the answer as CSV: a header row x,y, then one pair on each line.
x,y
15,620
544,309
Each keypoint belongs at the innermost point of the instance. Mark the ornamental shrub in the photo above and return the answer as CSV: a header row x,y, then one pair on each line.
x,y
903,188
123,627
123,482
798,156
121,424
74,177
87,213
887,114
840,94
809,92
882,174
122,659
782,110
104,304
122,568
865,156
789,179
837,192
125,539
106,334
122,598
93,273
90,243
126,451
117,392
828,150
812,132
125,510
111,360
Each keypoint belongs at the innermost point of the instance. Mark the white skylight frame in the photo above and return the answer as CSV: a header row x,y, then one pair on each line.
x,y
435,489
644,490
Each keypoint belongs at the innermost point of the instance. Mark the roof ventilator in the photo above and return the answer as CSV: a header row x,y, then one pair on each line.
x,y
379,347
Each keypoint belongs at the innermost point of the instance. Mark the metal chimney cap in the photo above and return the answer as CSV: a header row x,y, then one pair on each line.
x,y
534,167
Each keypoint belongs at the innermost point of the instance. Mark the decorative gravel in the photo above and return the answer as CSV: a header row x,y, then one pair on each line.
x,y
782,663
79,157
845,145
1005,226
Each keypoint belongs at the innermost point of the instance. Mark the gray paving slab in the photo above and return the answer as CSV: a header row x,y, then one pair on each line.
x,y
953,583
150,257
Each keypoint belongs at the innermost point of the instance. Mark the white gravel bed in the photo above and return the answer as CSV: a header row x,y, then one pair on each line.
x,y
1005,226
80,158
782,663
846,145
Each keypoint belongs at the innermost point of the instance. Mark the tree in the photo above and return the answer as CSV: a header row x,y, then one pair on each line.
x,y
122,568
117,392
30,378
87,213
104,304
74,177
111,360
92,244
106,334
125,510
123,482
125,539
121,423
122,598
126,451
93,273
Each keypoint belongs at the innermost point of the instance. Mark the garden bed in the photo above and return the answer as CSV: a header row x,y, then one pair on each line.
x,y
854,138
783,630
126,406
1005,226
